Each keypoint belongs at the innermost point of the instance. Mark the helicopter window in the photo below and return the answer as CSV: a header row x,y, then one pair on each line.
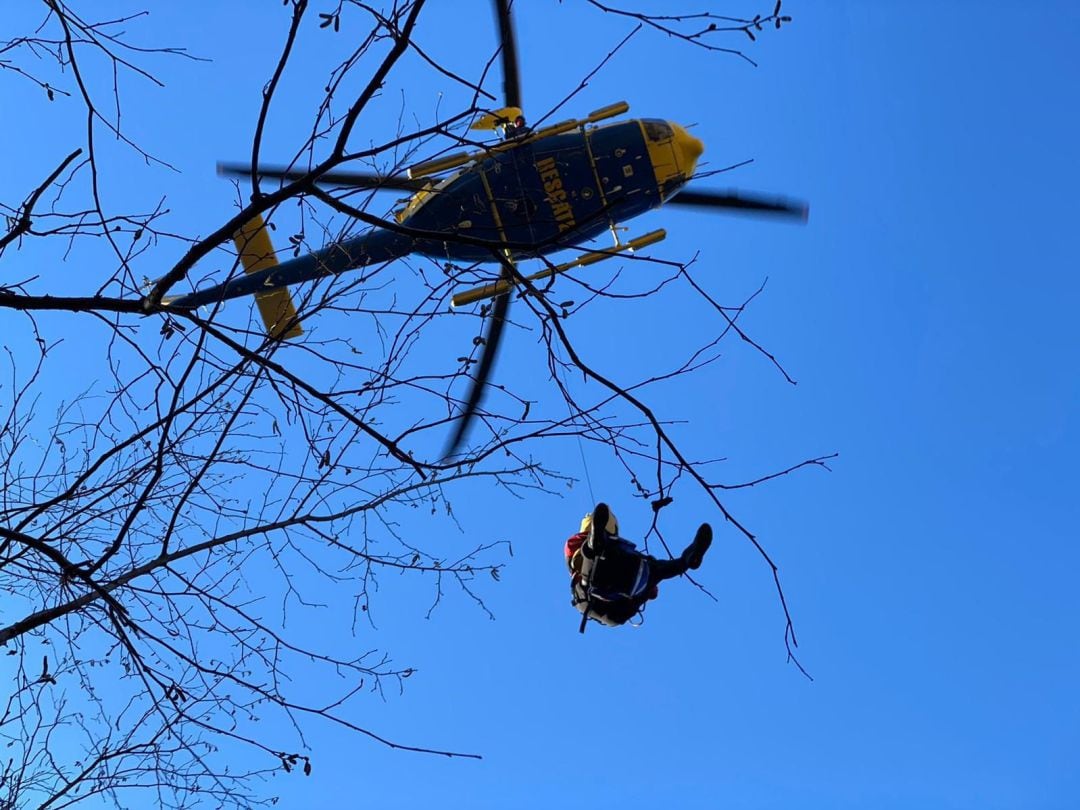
x,y
657,130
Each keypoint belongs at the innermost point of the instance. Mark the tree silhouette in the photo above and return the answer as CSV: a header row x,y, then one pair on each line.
x,y
148,521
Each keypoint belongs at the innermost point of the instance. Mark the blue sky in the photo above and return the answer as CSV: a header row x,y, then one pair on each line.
x,y
927,313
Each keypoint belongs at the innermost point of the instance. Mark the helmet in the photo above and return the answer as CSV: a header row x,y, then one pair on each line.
x,y
612,527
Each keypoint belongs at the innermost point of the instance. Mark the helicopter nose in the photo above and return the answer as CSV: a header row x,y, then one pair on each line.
x,y
673,152
687,150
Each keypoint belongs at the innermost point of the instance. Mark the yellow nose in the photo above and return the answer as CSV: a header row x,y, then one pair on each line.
x,y
674,153
687,150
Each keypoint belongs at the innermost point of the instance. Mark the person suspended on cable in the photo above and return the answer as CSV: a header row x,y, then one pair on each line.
x,y
610,579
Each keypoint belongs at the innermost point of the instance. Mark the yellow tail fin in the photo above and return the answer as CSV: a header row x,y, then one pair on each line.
x,y
275,306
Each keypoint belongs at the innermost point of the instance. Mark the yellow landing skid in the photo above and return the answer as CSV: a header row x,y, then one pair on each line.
x,y
275,306
430,167
502,286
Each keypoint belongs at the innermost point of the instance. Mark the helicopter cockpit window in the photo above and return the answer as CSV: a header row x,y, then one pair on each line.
x,y
657,130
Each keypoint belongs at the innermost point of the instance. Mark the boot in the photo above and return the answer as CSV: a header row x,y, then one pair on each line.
x,y
695,552
598,530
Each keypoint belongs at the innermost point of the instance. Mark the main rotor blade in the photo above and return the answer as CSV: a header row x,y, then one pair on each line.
x,y
353,179
511,75
742,202
511,98
483,371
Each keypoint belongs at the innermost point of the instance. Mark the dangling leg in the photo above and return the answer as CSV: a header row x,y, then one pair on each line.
x,y
690,559
659,570
591,549
597,541
620,566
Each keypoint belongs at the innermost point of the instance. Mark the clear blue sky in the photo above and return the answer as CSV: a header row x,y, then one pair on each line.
x,y
928,314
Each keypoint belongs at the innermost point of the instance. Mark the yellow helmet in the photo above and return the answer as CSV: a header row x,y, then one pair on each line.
x,y
612,527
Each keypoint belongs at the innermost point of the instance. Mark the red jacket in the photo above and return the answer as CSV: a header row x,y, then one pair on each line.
x,y
573,544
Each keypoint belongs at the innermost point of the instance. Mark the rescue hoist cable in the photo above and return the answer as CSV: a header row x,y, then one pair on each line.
x,y
561,370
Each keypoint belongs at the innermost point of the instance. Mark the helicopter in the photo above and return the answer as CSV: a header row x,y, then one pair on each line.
x,y
530,194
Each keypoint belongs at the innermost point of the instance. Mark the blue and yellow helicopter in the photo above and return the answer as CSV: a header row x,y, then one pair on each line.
x,y
534,193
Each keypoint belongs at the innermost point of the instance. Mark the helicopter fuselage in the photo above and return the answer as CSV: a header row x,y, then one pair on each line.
x,y
527,198
543,196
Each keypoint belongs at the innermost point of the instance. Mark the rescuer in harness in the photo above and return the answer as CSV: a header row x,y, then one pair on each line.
x,y
610,579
